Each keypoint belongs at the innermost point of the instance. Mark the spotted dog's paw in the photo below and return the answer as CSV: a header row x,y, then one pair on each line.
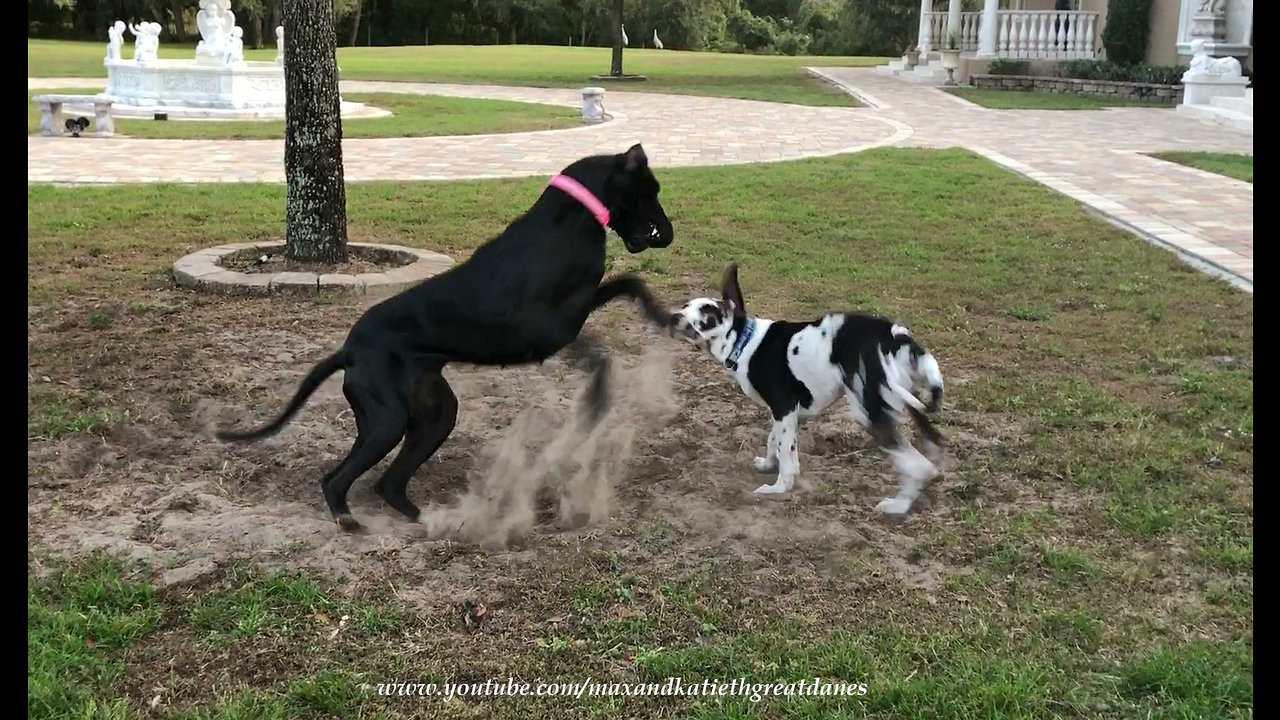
x,y
894,506
765,465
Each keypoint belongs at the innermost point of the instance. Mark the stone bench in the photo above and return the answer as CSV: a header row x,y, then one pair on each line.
x,y
51,112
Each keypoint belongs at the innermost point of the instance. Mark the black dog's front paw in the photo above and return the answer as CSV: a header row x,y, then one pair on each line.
x,y
349,523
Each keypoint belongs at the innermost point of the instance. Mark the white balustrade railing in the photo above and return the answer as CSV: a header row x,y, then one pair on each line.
x,y
936,29
1023,34
1050,34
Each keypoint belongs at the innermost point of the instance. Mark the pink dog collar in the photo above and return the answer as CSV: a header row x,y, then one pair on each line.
x,y
582,195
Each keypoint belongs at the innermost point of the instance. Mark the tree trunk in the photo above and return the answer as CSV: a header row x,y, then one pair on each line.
x,y
316,200
179,26
615,67
355,23
255,26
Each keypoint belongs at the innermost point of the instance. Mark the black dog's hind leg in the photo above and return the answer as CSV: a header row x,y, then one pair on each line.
x,y
380,423
636,289
433,411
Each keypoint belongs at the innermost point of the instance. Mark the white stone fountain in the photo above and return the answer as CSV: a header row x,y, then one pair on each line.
x,y
217,84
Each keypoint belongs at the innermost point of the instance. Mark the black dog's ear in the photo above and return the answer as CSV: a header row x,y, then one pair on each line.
x,y
732,293
635,158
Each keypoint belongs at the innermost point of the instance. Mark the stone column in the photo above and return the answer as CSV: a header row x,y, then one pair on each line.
x,y
922,35
953,22
989,28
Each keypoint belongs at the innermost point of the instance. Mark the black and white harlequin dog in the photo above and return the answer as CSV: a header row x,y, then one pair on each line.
x,y
799,369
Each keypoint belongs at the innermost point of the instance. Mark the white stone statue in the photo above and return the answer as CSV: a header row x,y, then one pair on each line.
x,y
228,18
115,40
235,47
1202,64
206,23
146,42
217,26
280,45
656,42
1212,7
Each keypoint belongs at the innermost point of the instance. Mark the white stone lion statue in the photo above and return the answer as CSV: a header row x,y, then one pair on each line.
x,y
1202,64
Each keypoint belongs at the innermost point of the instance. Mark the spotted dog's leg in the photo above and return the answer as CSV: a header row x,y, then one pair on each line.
x,y
769,462
784,446
914,469
880,409
856,411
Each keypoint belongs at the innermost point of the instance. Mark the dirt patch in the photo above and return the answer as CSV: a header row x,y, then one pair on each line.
x,y
665,480
357,262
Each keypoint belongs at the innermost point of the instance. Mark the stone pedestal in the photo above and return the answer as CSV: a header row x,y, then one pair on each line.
x,y
593,104
1200,88
1209,26
184,83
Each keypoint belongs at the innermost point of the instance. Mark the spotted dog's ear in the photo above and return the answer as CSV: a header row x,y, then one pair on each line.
x,y
731,293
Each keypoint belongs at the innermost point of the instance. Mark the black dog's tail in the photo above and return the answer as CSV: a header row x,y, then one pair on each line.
x,y
318,374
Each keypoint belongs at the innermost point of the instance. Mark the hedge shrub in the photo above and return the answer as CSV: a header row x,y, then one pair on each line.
x,y
1004,66
1128,24
1108,70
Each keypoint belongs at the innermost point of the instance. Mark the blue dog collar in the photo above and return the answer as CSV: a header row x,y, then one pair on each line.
x,y
740,344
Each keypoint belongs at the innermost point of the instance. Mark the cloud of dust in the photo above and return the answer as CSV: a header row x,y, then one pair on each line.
x,y
578,465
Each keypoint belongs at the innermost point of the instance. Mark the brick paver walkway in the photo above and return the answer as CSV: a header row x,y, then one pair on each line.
x,y
1099,157
676,130
1095,156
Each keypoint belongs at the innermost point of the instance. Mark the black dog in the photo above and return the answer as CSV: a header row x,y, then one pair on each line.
x,y
75,126
520,298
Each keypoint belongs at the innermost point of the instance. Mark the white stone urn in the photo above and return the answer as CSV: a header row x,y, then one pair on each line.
x,y
951,61
593,104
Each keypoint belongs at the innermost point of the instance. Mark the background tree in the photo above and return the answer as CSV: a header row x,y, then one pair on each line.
x,y
615,65
316,200
826,27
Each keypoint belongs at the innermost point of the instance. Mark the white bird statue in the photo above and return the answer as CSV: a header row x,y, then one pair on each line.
x,y
624,34
656,42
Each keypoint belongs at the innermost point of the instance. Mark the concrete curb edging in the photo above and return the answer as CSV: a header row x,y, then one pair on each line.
x,y
202,270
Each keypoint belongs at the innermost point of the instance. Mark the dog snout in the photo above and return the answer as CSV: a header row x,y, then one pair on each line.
x,y
676,324
679,327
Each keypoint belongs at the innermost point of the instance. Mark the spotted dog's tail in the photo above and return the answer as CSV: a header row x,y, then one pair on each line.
x,y
908,369
929,375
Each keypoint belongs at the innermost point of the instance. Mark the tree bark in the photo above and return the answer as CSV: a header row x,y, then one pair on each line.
x,y
316,199
615,67
255,26
179,27
355,23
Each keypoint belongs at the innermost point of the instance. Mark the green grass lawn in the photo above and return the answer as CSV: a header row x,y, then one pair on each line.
x,y
754,77
1097,545
1029,100
1235,166
413,116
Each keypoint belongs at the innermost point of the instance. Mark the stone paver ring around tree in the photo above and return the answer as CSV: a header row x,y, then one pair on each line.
x,y
205,270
